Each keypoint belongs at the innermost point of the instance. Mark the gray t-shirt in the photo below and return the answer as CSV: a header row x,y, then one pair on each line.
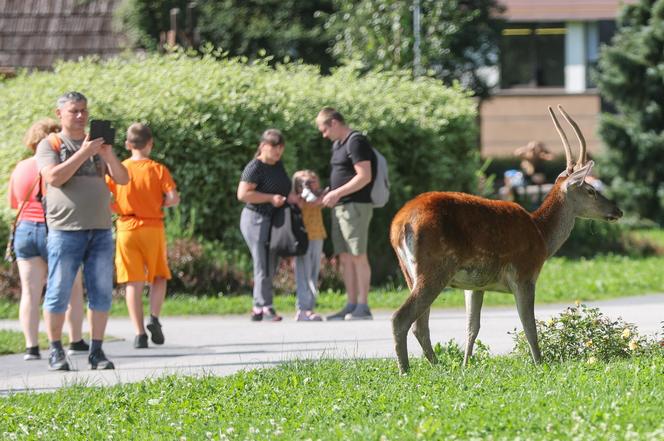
x,y
81,203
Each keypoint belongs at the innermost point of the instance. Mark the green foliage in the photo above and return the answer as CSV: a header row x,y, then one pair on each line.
x,y
450,354
9,281
283,29
591,238
207,116
585,334
631,79
501,398
204,268
457,37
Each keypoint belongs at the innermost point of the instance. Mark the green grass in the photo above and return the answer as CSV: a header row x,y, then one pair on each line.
x,y
562,280
652,235
496,398
13,342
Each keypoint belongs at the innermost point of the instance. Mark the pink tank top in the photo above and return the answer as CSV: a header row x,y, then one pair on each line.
x,y
22,178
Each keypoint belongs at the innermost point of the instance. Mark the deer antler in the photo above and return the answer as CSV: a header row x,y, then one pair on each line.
x,y
582,141
563,138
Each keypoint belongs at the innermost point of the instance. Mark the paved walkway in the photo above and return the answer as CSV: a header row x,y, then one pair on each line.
x,y
224,345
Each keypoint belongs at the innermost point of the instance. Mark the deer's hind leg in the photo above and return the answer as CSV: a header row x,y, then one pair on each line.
x,y
416,306
421,331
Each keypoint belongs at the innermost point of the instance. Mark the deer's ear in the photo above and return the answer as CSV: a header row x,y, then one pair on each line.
x,y
578,176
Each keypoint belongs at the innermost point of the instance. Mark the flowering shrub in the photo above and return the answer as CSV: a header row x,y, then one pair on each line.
x,y
583,333
451,353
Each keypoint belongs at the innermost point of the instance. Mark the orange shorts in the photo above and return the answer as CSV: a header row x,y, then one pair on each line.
x,y
140,255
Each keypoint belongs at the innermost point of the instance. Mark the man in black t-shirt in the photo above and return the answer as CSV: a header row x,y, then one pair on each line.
x,y
353,165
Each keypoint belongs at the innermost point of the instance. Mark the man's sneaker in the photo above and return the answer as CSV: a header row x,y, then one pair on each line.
x,y
256,316
99,361
361,312
341,315
155,331
32,353
78,346
57,360
270,314
141,341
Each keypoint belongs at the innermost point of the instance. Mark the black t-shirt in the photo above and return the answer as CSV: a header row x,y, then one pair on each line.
x,y
342,163
268,179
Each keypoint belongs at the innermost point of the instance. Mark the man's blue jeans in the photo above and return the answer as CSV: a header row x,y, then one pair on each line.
x,y
67,250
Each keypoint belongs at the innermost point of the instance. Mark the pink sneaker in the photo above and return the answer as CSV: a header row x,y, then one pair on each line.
x,y
307,316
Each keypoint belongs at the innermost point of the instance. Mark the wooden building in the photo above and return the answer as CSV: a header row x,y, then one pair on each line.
x,y
547,52
36,33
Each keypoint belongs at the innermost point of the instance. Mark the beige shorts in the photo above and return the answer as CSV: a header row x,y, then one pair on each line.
x,y
350,227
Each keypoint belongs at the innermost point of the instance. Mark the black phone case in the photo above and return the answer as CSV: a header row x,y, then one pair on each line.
x,y
100,128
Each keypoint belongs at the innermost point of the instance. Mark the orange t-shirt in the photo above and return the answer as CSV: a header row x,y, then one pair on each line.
x,y
139,203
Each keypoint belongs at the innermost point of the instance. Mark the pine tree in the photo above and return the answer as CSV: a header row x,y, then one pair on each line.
x,y
631,79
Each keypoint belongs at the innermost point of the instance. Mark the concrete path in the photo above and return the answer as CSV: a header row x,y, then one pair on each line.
x,y
224,345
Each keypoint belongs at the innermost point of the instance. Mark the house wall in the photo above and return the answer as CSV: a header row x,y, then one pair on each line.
x,y
511,121
562,10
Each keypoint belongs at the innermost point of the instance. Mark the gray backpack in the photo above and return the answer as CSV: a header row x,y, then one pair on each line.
x,y
380,191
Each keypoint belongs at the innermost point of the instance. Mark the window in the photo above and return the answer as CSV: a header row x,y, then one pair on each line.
x,y
597,34
532,55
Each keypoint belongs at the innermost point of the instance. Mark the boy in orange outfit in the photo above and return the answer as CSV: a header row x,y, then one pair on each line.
x,y
140,250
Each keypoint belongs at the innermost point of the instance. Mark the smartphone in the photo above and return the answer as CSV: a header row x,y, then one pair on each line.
x,y
101,128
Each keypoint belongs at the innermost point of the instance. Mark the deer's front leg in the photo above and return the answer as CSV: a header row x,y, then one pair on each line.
x,y
525,305
474,301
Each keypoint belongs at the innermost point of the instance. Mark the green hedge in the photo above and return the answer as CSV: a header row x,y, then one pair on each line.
x,y
207,115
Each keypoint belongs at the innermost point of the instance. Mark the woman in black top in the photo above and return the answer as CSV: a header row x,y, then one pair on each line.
x,y
263,186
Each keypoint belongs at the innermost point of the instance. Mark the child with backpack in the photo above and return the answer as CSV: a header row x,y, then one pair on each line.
x,y
140,253
307,267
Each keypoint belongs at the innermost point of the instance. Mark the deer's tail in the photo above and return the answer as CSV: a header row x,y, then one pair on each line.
x,y
404,244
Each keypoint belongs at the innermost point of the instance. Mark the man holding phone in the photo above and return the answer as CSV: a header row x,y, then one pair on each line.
x,y
78,216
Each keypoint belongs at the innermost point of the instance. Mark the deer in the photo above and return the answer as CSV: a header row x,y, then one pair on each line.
x,y
458,240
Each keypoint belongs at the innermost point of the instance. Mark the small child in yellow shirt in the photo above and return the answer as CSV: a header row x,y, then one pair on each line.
x,y
140,250
307,267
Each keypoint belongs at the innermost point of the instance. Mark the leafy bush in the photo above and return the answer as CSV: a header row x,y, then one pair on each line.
x,y
583,333
590,238
284,281
202,268
207,116
10,287
451,354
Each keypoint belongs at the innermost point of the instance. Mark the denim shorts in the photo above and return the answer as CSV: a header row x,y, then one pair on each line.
x,y
30,240
67,250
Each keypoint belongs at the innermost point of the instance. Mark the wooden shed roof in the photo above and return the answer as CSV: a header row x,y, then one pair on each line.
x,y
36,33
562,10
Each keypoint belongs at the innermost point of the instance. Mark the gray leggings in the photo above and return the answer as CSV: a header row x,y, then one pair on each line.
x,y
307,268
255,229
